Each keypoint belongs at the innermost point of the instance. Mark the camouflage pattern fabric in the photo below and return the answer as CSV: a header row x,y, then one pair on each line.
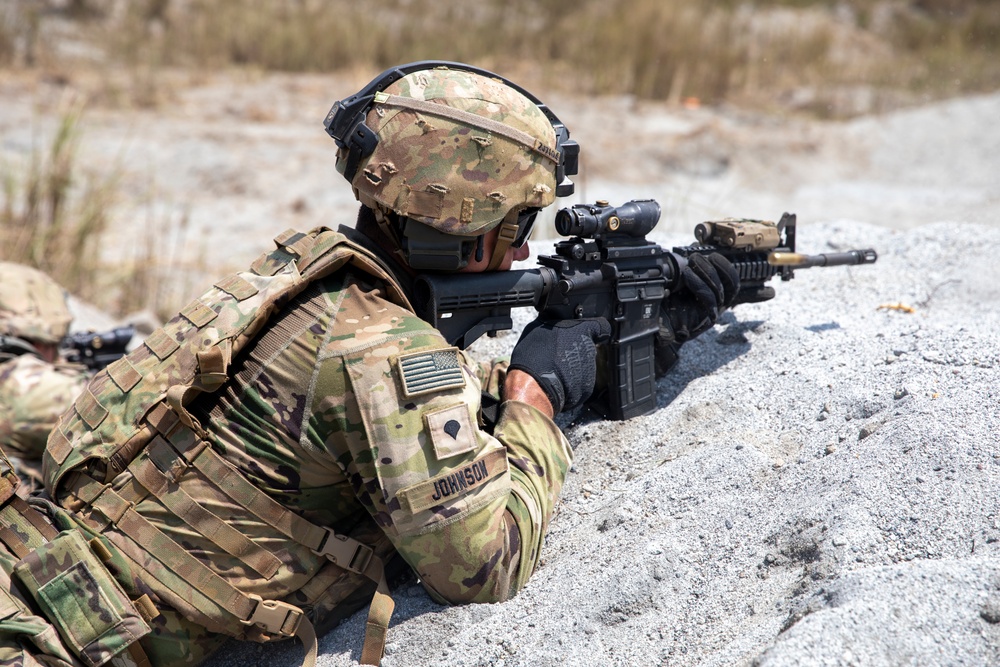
x,y
59,603
460,176
77,593
345,408
328,426
23,633
26,638
32,305
33,394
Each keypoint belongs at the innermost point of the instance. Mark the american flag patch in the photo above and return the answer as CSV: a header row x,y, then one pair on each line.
x,y
426,372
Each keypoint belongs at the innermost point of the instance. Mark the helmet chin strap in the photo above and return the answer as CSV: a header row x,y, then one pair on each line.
x,y
385,225
508,232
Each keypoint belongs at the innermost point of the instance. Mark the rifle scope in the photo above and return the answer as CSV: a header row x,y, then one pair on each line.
x,y
634,218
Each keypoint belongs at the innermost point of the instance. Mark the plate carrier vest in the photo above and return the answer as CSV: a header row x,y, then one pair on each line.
x,y
133,417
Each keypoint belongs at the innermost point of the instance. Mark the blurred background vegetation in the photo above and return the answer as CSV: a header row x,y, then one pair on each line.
x,y
823,58
758,52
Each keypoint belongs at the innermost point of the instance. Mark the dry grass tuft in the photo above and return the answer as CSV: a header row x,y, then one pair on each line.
x,y
53,216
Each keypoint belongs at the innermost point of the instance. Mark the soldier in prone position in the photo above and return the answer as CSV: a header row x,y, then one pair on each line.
x,y
36,384
249,469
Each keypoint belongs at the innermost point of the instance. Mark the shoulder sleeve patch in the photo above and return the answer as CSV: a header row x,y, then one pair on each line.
x,y
451,431
427,372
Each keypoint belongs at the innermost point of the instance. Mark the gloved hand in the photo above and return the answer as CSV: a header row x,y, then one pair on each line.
x,y
709,285
561,356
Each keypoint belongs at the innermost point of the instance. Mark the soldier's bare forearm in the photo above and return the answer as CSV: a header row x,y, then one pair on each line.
x,y
519,386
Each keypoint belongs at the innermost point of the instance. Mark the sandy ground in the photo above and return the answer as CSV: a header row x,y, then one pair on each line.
x,y
819,484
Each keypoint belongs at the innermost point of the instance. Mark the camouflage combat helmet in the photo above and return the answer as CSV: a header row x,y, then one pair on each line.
x,y
453,147
32,305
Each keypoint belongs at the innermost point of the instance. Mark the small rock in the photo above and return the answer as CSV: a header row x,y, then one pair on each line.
x,y
868,429
990,611
900,393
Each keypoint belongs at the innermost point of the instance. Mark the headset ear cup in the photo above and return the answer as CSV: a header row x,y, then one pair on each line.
x,y
569,162
360,144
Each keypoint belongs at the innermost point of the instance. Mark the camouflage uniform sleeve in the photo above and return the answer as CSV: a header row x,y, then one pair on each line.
x,y
466,508
539,457
492,376
33,394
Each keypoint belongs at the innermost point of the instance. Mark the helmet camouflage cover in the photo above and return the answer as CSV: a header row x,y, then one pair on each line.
x,y
457,151
32,305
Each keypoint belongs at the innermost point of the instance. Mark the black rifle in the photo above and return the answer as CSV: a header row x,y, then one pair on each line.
x,y
95,350
608,269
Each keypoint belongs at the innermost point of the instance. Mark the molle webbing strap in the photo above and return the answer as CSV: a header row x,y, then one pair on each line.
x,y
274,617
44,528
164,488
14,511
13,541
139,657
346,552
342,550
271,263
294,243
9,480
300,313
379,613
467,118
121,514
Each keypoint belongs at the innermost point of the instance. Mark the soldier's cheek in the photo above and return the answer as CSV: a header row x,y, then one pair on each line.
x,y
522,253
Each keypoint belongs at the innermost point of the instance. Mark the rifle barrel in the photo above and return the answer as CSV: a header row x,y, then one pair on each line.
x,y
801,261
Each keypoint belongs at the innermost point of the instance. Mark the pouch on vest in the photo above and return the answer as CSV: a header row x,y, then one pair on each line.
x,y
95,618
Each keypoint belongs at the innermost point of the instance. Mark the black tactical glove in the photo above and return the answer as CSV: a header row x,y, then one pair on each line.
x,y
561,356
709,285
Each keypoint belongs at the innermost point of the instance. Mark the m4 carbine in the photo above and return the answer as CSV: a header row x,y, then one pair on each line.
x,y
607,268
